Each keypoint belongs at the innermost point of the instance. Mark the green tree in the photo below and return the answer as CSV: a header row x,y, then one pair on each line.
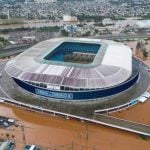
x,y
64,33
3,16
145,53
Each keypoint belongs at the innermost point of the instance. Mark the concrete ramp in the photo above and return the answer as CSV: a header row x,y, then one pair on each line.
x,y
124,124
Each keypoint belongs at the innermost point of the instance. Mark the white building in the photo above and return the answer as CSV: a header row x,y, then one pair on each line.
x,y
107,21
68,18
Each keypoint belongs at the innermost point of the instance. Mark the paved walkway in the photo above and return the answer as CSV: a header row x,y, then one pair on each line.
x,y
127,125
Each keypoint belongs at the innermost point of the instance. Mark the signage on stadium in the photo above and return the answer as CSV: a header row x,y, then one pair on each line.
x,y
54,94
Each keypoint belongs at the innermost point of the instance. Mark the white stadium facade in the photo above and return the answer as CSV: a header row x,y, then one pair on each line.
x,y
75,69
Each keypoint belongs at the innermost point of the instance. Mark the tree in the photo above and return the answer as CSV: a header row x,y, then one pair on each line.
x,y
64,33
7,135
13,136
4,41
96,31
145,53
146,42
88,33
3,16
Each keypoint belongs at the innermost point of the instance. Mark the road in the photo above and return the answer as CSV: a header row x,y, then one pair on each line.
x,y
123,36
13,51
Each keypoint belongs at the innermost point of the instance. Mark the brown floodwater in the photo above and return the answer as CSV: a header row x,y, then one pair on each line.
x,y
54,132
138,113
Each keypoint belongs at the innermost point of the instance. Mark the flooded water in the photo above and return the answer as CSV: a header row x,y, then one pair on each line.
x,y
138,113
31,24
54,132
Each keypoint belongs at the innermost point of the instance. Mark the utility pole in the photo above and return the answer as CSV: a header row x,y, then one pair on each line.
x,y
86,136
72,147
86,132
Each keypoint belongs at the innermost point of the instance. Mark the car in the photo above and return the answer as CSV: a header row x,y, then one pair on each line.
x,y
27,147
1,120
37,148
30,147
5,124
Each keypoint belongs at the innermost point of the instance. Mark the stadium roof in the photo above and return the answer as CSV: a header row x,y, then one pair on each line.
x,y
112,66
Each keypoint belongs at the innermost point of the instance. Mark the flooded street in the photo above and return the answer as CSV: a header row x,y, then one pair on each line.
x,y
54,132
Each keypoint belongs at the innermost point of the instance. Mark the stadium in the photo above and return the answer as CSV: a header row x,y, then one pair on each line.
x,y
75,69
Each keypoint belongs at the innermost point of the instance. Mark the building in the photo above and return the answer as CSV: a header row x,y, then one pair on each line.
x,y
75,69
68,18
144,24
70,28
108,21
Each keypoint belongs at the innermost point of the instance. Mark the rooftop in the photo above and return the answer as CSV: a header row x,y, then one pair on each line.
x,y
111,65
